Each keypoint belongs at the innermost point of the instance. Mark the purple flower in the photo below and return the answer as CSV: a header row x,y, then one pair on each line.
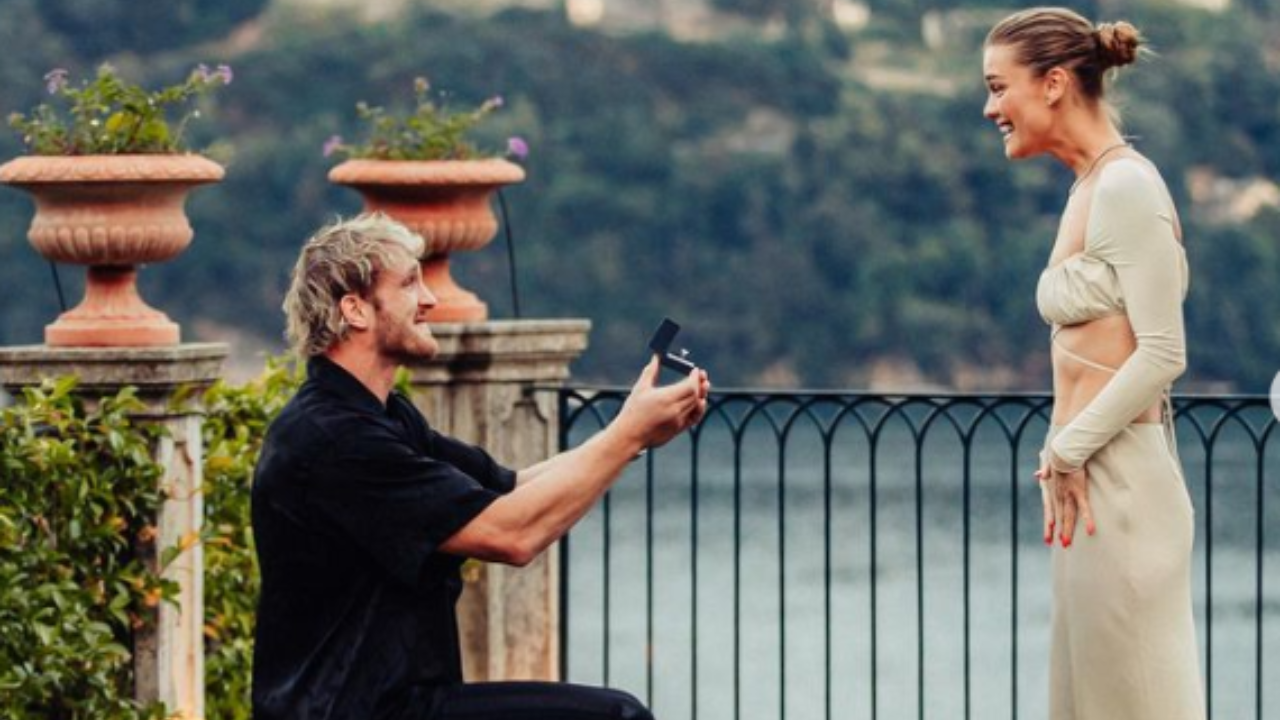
x,y
517,148
205,75
332,145
55,80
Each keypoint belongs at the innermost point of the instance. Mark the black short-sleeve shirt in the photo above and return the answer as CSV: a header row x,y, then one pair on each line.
x,y
351,501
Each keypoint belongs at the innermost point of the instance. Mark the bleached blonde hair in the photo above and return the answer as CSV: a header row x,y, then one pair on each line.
x,y
343,257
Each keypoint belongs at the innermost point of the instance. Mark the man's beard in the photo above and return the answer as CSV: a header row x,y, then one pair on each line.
x,y
401,342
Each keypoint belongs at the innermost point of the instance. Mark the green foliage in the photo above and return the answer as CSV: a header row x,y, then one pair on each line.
x,y
78,492
109,116
429,132
106,26
234,427
794,205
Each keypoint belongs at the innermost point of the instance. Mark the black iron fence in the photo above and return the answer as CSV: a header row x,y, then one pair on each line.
x,y
844,555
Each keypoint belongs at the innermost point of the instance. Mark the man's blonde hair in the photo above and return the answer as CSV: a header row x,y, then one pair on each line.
x,y
343,257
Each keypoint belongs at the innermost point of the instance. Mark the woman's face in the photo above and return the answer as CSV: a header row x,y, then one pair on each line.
x,y
1017,102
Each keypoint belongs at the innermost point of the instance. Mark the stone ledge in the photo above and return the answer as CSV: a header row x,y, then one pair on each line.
x,y
503,351
156,371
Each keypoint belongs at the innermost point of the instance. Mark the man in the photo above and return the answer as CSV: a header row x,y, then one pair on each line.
x,y
363,514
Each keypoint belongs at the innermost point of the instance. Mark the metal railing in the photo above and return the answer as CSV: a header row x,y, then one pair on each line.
x,y
845,555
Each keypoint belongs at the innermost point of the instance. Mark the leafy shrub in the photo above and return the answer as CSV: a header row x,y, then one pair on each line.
x,y
234,427
78,492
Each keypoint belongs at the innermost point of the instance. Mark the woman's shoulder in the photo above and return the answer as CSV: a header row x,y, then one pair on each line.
x,y
1130,205
1131,183
1134,173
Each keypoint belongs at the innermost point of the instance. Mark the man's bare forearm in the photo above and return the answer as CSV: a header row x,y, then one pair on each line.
x,y
549,498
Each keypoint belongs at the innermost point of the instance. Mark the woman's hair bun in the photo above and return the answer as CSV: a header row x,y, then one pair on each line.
x,y
1118,43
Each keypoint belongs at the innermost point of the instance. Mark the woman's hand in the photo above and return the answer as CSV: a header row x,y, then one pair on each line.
x,y
1065,498
1047,499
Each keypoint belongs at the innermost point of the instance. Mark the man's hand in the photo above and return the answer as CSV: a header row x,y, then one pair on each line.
x,y
554,494
654,414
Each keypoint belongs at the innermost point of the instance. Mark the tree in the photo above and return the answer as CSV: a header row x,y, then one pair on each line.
x,y
102,27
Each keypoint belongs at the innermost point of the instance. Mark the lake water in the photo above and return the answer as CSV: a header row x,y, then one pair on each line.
x,y
752,635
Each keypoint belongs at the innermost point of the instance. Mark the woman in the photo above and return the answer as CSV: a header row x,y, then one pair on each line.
x,y
1124,643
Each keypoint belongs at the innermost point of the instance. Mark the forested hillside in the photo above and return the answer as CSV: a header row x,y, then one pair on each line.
x,y
807,221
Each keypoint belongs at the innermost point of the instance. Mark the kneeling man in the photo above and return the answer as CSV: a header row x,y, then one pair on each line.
x,y
363,514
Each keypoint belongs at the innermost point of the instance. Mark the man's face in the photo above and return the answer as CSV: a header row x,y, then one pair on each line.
x,y
401,301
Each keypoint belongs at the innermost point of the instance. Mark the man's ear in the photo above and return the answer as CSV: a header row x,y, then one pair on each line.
x,y
354,311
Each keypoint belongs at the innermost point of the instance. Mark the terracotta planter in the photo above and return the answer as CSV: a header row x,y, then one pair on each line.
x,y
112,213
446,202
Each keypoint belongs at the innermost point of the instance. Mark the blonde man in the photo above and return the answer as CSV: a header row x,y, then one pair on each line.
x,y
363,514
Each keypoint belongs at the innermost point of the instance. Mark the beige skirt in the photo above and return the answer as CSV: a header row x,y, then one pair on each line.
x,y
1124,637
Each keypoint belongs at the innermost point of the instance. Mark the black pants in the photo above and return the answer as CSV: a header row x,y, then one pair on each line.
x,y
538,701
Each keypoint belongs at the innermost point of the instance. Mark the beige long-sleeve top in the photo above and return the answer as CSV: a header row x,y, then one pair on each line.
x,y
1132,263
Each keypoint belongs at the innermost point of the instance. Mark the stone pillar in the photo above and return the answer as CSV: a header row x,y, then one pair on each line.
x,y
480,389
169,661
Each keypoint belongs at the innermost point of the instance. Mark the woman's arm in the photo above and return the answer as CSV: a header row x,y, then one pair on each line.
x,y
1132,228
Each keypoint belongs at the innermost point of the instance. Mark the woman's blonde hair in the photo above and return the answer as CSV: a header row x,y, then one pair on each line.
x,y
1047,37
343,257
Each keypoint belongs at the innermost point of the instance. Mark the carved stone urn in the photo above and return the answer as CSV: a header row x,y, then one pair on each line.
x,y
447,202
111,213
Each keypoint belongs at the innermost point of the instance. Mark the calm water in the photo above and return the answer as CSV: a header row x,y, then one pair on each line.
x,y
757,640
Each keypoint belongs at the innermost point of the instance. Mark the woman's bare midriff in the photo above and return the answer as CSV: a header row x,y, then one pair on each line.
x,y
1107,341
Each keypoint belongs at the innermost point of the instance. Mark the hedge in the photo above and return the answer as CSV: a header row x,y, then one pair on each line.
x,y
79,572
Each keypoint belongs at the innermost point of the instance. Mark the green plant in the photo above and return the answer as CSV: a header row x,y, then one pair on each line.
x,y
79,491
235,425
110,116
429,132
